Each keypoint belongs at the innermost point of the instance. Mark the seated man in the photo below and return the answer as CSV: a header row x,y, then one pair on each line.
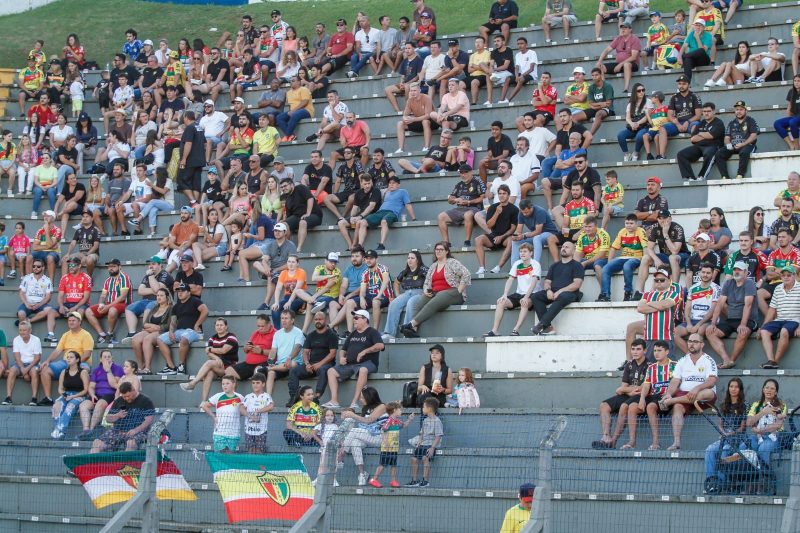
x,y
536,227
375,291
416,118
327,280
87,241
114,297
655,384
35,293
301,210
410,68
467,199
319,354
502,222
783,317
434,161
706,139
25,356
74,291
558,13
608,11
185,327
390,211
591,246
131,414
627,394
155,278
693,383
626,47
75,339
256,350
359,356
354,134
737,302
601,102
630,244
366,200
527,272
561,287
701,302
666,246
285,353
740,138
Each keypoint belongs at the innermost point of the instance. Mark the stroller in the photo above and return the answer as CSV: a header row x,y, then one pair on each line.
x,y
742,471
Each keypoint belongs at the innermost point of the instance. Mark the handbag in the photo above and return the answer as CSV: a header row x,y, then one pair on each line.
x,y
468,397
409,394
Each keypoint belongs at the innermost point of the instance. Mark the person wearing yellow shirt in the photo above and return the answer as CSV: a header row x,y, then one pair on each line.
x,y
591,245
479,69
266,141
76,339
612,198
630,243
31,80
300,106
577,94
517,516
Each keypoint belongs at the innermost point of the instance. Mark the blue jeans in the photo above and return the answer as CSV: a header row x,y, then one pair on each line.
x,y
405,301
38,192
625,134
357,64
788,124
558,173
287,123
627,265
63,172
68,409
276,315
547,165
672,129
138,153
538,242
714,454
152,208
765,448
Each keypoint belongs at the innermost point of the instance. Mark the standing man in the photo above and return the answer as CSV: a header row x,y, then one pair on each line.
x,y
193,159
740,138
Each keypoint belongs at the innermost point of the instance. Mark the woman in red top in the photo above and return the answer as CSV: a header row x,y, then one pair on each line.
x,y
73,51
445,285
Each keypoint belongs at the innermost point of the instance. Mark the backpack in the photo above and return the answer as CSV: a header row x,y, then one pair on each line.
x,y
409,394
468,397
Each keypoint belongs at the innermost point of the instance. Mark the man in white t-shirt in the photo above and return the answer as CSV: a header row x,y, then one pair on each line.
x,y
433,69
525,167
526,63
136,197
367,48
541,140
35,292
257,404
505,177
228,409
694,380
333,118
527,271
212,123
27,352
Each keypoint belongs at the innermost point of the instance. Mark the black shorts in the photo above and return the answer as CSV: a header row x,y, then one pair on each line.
x,y
342,196
492,245
718,40
458,120
480,79
388,458
515,300
496,27
617,401
266,160
420,451
416,127
189,179
337,62
728,326
312,221
611,65
545,114
256,442
590,113
244,370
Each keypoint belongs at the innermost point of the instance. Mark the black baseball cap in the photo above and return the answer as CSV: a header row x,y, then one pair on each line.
x,y
664,213
682,78
114,261
371,253
437,347
463,168
182,287
453,42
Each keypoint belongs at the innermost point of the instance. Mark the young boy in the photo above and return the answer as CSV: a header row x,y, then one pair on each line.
x,y
677,32
458,155
3,253
390,443
657,34
227,418
613,198
527,271
656,117
255,408
20,247
430,436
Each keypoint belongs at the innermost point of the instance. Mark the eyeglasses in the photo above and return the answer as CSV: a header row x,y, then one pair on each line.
x,y
37,266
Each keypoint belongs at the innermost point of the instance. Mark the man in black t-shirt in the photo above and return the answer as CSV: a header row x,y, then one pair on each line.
x,y
189,276
121,65
345,185
740,138
155,278
702,255
131,414
498,149
706,140
648,208
318,177
503,17
319,83
319,354
683,111
148,81
434,160
193,159
466,199
456,62
185,327
666,244
381,170
302,210
366,200
501,218
87,241
502,58
218,74
359,356
561,287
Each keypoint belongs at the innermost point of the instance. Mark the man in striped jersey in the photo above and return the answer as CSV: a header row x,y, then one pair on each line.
x,y
116,295
783,317
700,303
657,306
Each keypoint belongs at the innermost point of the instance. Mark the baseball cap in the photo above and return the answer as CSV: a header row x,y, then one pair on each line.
x,y
654,179
213,170
280,226
702,237
148,41
740,103
155,259
664,213
682,78
208,102
464,168
186,257
624,25
362,313
579,69
700,21
49,213
74,260
114,261
741,265
658,94
333,256
173,54
452,42
789,268
279,159
238,99
425,15
275,12
663,272
438,347
182,287
655,14
371,253
120,111
83,116
186,209
526,491
393,178
75,314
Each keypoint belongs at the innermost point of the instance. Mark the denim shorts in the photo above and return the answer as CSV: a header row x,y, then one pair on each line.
x,y
189,334
138,308
42,256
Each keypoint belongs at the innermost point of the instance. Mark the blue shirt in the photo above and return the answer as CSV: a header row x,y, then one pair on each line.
x,y
132,50
566,153
395,201
409,69
269,229
539,216
353,276
284,342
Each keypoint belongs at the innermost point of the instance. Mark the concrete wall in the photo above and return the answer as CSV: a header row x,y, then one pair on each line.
x,y
9,8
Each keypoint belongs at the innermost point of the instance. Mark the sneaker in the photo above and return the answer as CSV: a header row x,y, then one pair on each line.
x,y
350,74
503,101
710,83
412,483
111,340
739,177
181,368
331,405
7,401
637,295
50,337
399,151
134,222
226,268
56,434
200,267
101,339
724,177
537,329
375,483
380,246
76,226
394,484
12,274
33,402
751,79
263,307
628,296
362,479
319,306
127,339
311,138
650,157
467,242
354,76
626,158
495,270
659,157
490,333
355,406
10,194
603,298
86,435
45,402
386,337
769,365
635,157
722,83
549,330
480,271
167,371
487,103
187,387
425,149
34,214
424,483
759,79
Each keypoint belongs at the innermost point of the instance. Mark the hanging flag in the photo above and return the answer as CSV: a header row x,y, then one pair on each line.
x,y
113,477
262,487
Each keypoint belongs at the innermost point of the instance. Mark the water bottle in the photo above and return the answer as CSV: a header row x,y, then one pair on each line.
x,y
108,67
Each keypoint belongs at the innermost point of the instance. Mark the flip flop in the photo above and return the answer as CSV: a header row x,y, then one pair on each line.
x,y
628,446
602,445
654,447
673,448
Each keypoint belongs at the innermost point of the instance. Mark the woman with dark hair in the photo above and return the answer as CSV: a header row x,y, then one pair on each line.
x,y
435,379
788,127
161,201
720,231
73,385
408,288
760,231
86,134
733,72
733,423
185,56
222,351
73,51
302,418
212,241
445,284
367,431
765,419
103,383
154,322
636,124
142,125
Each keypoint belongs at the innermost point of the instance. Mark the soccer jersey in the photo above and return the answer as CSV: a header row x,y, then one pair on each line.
x,y
578,89
525,274
710,19
659,325
701,298
577,211
227,411
114,285
793,195
630,245
31,79
659,376
552,93
20,244
55,235
778,259
304,419
657,34
756,263
469,190
614,195
333,285
74,286
390,441
253,402
792,225
591,246
35,289
515,519
373,279
693,374
658,116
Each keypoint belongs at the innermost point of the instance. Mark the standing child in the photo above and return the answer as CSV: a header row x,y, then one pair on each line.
x,y
390,443
20,246
102,91
76,94
236,241
323,433
226,417
3,253
255,408
613,198
429,438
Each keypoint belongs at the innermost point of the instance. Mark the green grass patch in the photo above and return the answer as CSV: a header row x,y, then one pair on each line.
x,y
100,24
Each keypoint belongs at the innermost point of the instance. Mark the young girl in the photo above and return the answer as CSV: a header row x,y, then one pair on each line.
x,y
20,250
323,433
75,92
239,206
465,380
236,241
130,369
35,131
27,160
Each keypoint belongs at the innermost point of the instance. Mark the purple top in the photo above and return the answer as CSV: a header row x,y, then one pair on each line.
x,y
99,377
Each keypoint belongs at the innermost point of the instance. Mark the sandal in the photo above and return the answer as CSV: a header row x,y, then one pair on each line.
x,y
673,448
514,333
628,446
727,364
654,447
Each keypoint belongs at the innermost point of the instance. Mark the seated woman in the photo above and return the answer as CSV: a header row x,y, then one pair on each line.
x,y
71,201
260,233
45,183
116,150
635,122
67,160
445,285
732,422
304,415
408,288
222,351
367,431
212,241
765,419
142,125
103,383
73,386
162,200
293,277
788,127
155,322
732,72
435,379
96,202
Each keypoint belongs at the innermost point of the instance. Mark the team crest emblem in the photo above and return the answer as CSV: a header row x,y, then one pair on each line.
x,y
130,475
276,487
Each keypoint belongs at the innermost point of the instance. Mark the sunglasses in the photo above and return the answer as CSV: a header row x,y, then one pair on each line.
x,y
758,214
640,90
659,280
